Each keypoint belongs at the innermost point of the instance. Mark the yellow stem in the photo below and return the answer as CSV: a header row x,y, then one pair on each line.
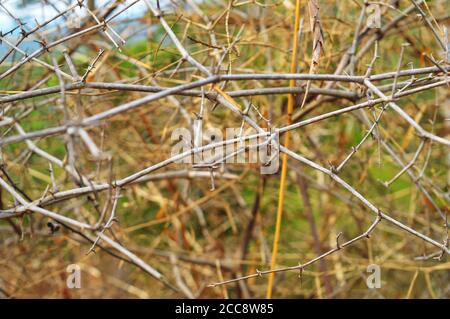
x,y
290,110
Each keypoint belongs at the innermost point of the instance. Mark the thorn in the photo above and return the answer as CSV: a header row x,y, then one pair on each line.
x,y
300,273
332,168
338,246
380,214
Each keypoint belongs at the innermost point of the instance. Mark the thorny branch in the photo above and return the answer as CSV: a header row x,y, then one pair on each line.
x,y
89,109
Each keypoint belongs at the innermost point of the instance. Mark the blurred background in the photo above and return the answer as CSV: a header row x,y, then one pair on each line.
x,y
191,234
